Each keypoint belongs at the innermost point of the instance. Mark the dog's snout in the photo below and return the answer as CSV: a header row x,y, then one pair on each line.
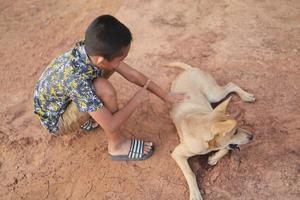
x,y
250,136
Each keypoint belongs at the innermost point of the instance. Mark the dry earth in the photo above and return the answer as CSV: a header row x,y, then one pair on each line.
x,y
255,43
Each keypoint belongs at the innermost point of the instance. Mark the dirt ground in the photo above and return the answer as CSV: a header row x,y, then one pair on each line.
x,y
255,43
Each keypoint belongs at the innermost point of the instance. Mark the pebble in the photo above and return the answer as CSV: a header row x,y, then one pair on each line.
x,y
207,191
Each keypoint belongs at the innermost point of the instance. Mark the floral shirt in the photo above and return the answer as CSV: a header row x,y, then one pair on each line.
x,y
68,78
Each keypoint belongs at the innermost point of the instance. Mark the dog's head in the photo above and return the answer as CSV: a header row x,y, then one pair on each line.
x,y
224,130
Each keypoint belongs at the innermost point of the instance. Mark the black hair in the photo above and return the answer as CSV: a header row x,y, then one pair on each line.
x,y
106,36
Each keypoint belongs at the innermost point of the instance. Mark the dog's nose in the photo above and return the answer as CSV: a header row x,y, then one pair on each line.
x,y
250,137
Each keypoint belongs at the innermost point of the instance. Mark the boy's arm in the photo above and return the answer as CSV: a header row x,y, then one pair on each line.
x,y
140,79
112,122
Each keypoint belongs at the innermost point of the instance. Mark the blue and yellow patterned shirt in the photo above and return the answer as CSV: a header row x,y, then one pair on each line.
x,y
68,78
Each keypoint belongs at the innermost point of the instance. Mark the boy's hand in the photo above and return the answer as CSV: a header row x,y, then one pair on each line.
x,y
175,97
142,94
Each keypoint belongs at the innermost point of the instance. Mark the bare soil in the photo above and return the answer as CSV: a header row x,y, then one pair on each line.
x,y
255,43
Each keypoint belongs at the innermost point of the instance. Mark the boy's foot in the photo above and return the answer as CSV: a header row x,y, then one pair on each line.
x,y
133,150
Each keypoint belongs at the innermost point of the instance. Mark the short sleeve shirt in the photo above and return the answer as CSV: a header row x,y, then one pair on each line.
x,y
68,78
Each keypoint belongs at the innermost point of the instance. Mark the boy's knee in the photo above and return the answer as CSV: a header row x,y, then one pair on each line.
x,y
104,88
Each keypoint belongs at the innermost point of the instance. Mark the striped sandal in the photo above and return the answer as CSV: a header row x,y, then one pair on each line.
x,y
89,125
136,152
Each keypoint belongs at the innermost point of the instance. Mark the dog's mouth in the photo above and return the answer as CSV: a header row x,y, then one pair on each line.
x,y
234,146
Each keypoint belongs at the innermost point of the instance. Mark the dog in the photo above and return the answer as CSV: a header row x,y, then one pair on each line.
x,y
201,128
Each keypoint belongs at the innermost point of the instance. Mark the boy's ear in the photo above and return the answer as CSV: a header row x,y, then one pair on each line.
x,y
221,108
99,60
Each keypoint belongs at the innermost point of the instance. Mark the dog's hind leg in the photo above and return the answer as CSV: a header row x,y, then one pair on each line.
x,y
212,160
245,96
180,156
216,93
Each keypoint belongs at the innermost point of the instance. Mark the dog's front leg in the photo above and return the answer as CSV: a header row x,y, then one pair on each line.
x,y
180,155
212,160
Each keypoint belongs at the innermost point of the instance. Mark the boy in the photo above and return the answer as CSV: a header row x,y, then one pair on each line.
x,y
74,87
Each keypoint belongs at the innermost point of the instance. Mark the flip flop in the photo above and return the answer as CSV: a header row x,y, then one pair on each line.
x,y
89,125
136,152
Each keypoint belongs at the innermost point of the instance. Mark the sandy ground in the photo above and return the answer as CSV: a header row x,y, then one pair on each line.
x,y
255,43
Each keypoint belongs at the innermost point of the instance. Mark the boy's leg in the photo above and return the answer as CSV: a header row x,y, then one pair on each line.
x,y
118,144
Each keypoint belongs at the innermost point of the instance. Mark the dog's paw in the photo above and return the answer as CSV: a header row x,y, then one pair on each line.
x,y
212,161
248,97
195,195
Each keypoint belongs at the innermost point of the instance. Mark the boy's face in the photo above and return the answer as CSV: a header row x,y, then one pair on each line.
x,y
114,63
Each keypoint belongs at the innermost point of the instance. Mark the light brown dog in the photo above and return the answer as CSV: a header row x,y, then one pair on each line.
x,y
201,128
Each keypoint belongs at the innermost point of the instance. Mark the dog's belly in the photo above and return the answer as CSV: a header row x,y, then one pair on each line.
x,y
197,102
194,104
188,82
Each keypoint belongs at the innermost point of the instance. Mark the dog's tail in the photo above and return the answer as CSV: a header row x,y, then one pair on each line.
x,y
179,65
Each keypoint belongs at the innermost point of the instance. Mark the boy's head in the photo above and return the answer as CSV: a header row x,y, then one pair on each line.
x,y
108,41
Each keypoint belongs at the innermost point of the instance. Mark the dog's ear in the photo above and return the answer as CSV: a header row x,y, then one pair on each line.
x,y
221,128
218,131
221,108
